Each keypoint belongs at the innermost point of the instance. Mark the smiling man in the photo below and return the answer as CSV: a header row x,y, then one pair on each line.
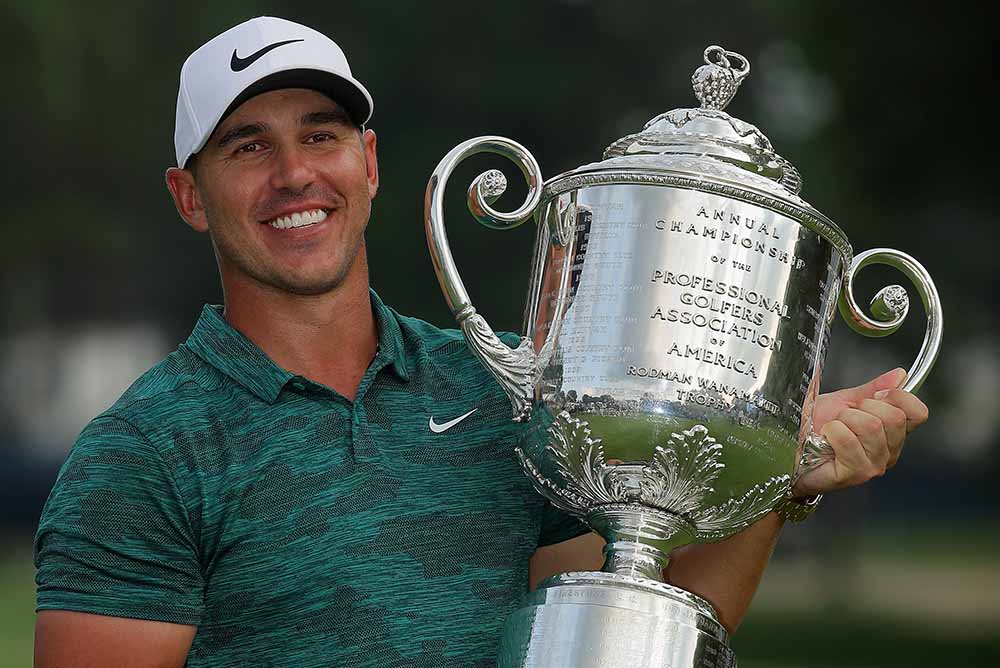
x,y
312,479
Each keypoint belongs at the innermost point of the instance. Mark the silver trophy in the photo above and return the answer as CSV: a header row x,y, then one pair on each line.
x,y
676,325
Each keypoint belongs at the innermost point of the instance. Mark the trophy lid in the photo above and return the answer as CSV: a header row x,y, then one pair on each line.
x,y
714,150
709,131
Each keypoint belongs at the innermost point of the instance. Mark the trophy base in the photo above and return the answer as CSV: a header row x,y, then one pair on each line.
x,y
606,620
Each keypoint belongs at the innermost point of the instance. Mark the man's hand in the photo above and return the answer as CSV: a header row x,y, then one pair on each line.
x,y
866,426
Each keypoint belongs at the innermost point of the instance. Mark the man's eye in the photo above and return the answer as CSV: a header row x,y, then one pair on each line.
x,y
320,136
250,147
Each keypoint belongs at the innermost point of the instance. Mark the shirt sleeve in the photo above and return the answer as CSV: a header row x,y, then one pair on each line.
x,y
115,537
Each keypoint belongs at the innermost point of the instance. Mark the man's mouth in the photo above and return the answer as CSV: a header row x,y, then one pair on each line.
x,y
298,219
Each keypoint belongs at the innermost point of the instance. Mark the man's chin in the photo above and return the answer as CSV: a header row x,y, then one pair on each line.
x,y
309,288
300,285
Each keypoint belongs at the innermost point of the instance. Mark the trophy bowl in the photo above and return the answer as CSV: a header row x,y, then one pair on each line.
x,y
677,319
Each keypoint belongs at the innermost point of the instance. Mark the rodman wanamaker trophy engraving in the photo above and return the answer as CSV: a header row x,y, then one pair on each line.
x,y
677,320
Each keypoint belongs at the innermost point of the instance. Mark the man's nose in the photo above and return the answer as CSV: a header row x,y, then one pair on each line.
x,y
293,170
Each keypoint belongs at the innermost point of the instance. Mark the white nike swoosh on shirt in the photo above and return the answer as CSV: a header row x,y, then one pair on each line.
x,y
438,428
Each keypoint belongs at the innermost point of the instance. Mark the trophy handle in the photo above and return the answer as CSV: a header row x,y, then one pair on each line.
x,y
514,369
890,307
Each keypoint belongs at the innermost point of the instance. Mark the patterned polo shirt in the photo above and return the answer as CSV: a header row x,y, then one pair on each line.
x,y
294,527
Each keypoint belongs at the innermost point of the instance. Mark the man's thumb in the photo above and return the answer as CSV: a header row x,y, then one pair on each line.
x,y
889,380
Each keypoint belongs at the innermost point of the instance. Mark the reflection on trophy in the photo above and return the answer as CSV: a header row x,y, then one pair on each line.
x,y
676,324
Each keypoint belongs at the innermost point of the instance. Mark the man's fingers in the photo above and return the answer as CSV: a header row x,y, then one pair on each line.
x,y
867,434
851,464
916,410
893,422
871,433
889,380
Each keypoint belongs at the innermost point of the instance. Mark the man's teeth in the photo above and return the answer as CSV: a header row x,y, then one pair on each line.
x,y
299,219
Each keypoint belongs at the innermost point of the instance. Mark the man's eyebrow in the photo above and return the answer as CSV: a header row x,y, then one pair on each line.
x,y
335,116
241,132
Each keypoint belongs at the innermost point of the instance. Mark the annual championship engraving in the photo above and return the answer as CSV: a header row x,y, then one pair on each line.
x,y
677,320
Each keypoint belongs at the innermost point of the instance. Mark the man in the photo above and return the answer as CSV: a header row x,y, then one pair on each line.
x,y
313,479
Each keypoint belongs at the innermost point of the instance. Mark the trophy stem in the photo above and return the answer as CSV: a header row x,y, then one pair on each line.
x,y
635,560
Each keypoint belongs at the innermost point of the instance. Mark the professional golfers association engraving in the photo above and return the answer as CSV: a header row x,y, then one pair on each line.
x,y
676,325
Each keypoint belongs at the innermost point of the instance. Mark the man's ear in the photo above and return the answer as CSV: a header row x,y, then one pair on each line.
x,y
187,199
368,142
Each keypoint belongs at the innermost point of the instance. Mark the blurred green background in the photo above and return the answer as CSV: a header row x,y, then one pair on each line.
x,y
880,105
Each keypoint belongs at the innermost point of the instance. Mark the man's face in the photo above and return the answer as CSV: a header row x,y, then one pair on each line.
x,y
285,185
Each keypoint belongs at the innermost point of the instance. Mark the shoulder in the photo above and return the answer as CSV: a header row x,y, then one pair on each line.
x,y
179,388
127,451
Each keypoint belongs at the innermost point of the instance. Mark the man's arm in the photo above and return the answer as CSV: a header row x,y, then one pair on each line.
x,y
65,639
583,553
119,581
727,573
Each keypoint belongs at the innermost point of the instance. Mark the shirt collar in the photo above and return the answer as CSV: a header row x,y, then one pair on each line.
x,y
224,347
391,348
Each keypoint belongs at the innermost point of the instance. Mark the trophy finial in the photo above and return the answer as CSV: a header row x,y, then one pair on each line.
x,y
716,82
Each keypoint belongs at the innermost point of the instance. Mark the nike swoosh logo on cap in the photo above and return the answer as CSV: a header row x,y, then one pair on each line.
x,y
238,64
438,428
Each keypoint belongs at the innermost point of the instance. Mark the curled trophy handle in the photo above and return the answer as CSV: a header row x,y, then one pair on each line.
x,y
515,368
890,307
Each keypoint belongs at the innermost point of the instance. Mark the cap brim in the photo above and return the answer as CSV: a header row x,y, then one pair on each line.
x,y
348,94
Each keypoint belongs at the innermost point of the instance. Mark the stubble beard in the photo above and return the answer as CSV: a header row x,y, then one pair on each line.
x,y
230,255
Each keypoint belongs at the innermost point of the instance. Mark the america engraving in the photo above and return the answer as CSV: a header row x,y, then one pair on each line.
x,y
739,365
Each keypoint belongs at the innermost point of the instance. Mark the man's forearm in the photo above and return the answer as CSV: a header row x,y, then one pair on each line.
x,y
726,573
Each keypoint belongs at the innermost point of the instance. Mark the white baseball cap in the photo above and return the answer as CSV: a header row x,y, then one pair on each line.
x,y
257,56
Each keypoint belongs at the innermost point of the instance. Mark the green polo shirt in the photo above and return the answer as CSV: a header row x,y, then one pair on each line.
x,y
294,527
